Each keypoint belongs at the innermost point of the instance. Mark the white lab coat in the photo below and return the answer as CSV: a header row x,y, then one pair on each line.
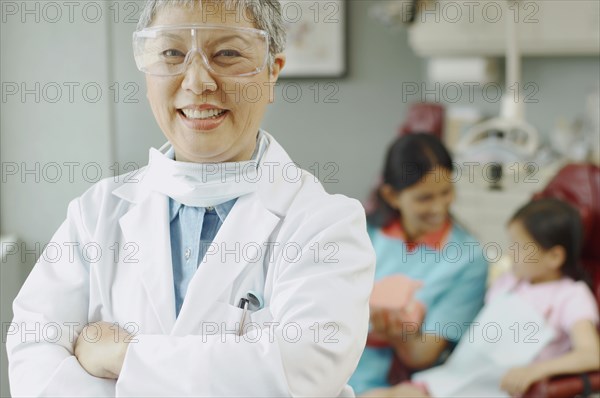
x,y
319,299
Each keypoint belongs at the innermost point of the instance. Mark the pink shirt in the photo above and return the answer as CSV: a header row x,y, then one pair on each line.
x,y
563,303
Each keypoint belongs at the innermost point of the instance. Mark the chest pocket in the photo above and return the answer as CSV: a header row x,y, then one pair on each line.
x,y
225,316
223,319
226,319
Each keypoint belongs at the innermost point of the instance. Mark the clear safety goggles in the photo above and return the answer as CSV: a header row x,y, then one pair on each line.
x,y
225,51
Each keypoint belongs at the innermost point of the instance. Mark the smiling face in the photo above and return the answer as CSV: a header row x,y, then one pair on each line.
x,y
424,206
210,118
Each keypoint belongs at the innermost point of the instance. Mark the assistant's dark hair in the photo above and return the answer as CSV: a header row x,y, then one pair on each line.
x,y
408,160
552,222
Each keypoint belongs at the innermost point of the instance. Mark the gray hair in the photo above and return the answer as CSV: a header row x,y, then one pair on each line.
x,y
266,14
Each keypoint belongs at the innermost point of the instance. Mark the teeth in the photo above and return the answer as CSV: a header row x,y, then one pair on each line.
x,y
203,114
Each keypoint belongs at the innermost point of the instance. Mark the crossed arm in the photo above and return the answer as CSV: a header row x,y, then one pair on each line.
x,y
100,349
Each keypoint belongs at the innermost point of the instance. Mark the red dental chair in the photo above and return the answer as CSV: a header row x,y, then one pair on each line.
x,y
424,117
579,185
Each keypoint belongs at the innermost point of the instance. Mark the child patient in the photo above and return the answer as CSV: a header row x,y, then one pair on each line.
x,y
546,239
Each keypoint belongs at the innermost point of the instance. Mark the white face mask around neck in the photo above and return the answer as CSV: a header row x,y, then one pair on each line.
x,y
203,184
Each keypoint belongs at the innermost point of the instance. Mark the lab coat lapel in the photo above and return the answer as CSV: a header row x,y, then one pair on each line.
x,y
251,222
248,226
147,226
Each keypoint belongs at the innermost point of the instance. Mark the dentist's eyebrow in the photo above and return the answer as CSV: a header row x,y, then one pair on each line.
x,y
172,36
234,36
231,37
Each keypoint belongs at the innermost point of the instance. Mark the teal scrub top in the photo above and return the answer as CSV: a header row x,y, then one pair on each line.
x,y
454,282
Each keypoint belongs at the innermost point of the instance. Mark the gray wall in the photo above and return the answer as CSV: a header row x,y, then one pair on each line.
x,y
352,133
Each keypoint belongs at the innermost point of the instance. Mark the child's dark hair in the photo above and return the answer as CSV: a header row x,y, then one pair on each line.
x,y
408,160
552,222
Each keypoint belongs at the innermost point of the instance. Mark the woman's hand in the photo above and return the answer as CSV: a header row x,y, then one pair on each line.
x,y
101,348
518,380
398,328
382,324
390,325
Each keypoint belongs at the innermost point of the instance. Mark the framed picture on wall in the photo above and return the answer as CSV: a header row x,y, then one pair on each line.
x,y
316,38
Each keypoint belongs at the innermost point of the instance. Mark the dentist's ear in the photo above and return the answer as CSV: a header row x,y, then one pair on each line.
x,y
276,67
278,64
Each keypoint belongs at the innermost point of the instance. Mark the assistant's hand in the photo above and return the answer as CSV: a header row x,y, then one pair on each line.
x,y
390,324
518,380
101,348
380,322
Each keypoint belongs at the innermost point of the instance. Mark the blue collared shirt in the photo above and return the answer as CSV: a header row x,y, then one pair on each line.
x,y
192,231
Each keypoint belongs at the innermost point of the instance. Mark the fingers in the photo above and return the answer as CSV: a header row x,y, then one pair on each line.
x,y
397,321
379,320
513,385
389,323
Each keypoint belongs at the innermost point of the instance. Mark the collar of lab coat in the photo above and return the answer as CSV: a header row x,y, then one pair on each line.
x,y
251,221
276,189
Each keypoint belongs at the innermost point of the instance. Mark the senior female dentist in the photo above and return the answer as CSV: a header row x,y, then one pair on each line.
x,y
218,216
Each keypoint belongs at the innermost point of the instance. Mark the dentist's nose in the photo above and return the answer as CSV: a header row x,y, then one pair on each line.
x,y
197,77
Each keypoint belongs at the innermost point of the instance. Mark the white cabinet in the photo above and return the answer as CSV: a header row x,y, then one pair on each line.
x,y
545,27
485,212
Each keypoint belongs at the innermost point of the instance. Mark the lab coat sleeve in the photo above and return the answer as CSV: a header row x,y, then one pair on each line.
x,y
319,314
50,311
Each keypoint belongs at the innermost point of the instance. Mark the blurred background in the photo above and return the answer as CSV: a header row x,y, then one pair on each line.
x,y
73,105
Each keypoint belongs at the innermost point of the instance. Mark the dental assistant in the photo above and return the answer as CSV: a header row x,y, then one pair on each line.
x,y
414,235
219,215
